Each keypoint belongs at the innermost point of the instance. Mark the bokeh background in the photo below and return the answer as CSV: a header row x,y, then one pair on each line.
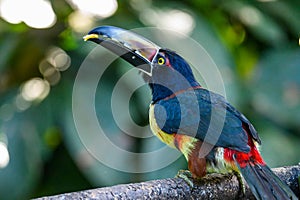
x,y
254,43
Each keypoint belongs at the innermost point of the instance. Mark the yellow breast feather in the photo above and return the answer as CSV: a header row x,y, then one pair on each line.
x,y
182,142
163,136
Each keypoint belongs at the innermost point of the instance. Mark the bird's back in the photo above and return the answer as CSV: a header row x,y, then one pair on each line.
x,y
206,116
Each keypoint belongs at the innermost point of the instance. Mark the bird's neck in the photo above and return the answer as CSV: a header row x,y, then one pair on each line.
x,y
160,92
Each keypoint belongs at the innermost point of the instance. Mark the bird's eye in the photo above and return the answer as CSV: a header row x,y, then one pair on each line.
x,y
161,61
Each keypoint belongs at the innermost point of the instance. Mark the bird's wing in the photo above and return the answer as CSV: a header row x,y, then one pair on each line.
x,y
206,116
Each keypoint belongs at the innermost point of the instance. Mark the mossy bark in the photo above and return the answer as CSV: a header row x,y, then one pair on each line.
x,y
212,186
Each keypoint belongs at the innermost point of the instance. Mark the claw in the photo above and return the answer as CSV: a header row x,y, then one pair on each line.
x,y
186,175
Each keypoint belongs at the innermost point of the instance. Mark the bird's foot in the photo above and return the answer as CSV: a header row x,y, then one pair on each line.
x,y
186,175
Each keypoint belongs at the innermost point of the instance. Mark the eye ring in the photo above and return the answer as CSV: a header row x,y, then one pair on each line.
x,y
161,61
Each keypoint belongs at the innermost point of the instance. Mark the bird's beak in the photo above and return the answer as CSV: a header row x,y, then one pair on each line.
x,y
132,47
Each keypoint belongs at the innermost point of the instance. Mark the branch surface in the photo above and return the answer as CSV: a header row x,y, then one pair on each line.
x,y
212,186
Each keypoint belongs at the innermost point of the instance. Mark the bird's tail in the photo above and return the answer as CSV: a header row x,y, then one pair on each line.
x,y
263,183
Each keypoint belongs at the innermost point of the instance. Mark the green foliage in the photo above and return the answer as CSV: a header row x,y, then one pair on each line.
x,y
253,43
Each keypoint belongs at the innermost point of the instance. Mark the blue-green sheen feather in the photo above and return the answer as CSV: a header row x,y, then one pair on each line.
x,y
190,113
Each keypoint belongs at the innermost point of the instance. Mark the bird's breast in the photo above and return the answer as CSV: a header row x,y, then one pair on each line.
x,y
182,142
163,136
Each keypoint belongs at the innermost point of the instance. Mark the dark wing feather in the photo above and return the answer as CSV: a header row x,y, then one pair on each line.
x,y
206,116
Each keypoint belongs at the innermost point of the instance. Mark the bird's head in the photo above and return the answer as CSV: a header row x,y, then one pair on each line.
x,y
164,70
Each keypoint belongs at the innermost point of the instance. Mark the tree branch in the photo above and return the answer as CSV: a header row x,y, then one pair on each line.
x,y
212,186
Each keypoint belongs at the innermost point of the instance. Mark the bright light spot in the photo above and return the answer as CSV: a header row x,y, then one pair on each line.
x,y
56,60
41,14
34,13
7,11
4,155
100,8
45,67
59,58
50,73
175,20
81,22
250,15
62,61
35,89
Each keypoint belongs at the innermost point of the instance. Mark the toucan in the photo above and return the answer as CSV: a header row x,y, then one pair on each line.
x,y
212,135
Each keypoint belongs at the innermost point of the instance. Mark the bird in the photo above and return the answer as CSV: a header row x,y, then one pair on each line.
x,y
212,134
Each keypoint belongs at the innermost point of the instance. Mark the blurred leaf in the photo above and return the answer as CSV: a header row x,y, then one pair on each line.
x,y
277,86
55,179
261,25
273,139
7,47
24,146
68,40
287,11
